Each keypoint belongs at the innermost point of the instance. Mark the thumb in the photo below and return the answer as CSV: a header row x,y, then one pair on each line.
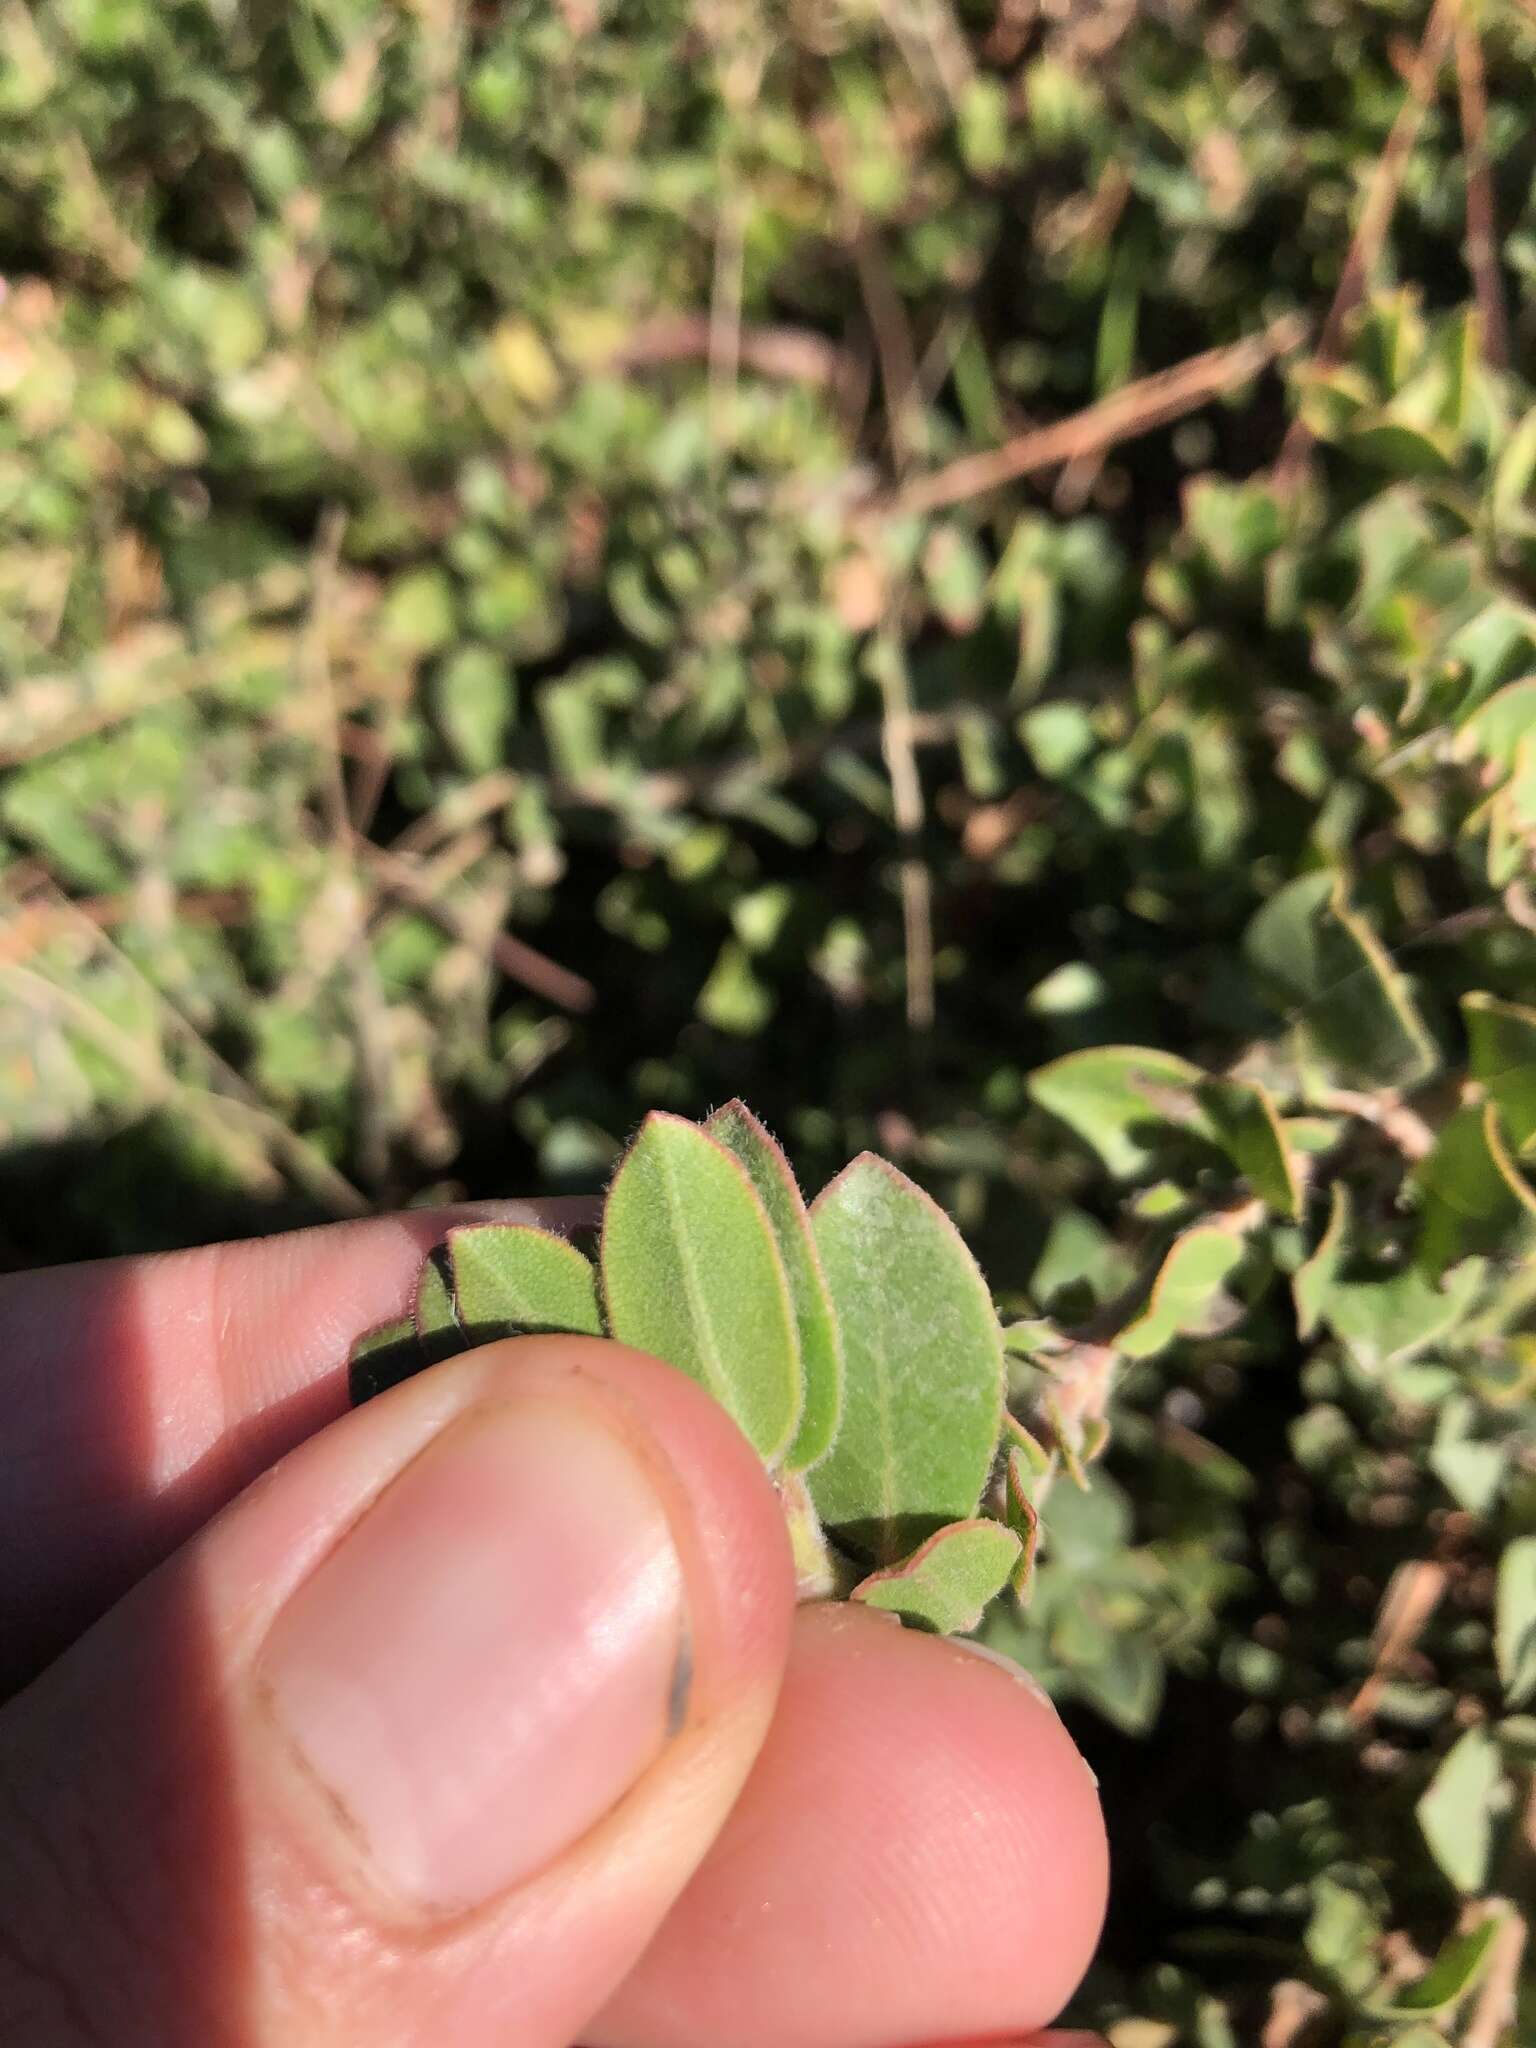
x,y
419,1740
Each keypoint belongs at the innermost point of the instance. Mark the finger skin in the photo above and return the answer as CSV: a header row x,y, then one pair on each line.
x,y
141,1394
165,1867
918,1856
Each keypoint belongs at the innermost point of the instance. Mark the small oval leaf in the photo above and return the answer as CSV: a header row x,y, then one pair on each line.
x,y
922,1364
1120,1098
1350,1009
821,1351
692,1274
510,1278
948,1583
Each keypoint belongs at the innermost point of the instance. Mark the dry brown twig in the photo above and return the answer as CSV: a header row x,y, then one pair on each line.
x,y
1482,246
1375,219
1413,1592
1406,1129
231,1101
1138,408
516,959
790,355
35,924
1494,2010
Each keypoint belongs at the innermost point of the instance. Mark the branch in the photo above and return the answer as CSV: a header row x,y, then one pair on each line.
x,y
1375,219
1138,408
517,960
1482,244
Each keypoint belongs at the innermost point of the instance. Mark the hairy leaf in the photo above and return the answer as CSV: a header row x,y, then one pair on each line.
x,y
947,1584
692,1273
510,1278
923,1364
436,1323
821,1350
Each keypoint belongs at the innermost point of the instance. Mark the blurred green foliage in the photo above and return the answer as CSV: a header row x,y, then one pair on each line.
x,y
476,666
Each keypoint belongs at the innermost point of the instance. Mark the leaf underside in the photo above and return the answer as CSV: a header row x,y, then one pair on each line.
x,y
821,1351
511,1279
436,1323
949,1582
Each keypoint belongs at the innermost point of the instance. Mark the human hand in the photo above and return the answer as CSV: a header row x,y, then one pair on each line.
x,y
485,1716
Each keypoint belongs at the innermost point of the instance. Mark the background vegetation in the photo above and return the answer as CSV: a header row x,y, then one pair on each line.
x,y
566,559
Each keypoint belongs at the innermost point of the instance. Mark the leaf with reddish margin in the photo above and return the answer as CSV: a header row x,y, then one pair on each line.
x,y
947,1584
513,1279
436,1323
821,1350
922,1365
693,1274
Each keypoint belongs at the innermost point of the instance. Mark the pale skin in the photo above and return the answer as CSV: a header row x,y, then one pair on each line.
x,y
822,1831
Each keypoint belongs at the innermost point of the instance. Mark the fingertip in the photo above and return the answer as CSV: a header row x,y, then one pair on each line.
x,y
919,1854
426,1675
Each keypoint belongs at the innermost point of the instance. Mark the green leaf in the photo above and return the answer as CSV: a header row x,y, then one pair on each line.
x,y
1501,1051
692,1274
1450,1976
382,1357
436,1323
1496,729
511,1279
1515,1632
1126,1683
1456,1813
821,1350
1473,1197
947,1584
1120,1099
1470,1471
1383,1322
473,699
1188,1297
1247,1126
1514,470
1387,1321
1317,1278
1351,1010
922,1364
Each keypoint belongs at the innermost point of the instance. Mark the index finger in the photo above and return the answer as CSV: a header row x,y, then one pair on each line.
x,y
141,1394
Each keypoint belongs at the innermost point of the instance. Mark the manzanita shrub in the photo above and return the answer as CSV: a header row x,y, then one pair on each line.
x,y
373,425
854,1342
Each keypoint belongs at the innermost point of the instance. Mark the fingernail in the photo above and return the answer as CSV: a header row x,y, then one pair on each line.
x,y
490,1658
